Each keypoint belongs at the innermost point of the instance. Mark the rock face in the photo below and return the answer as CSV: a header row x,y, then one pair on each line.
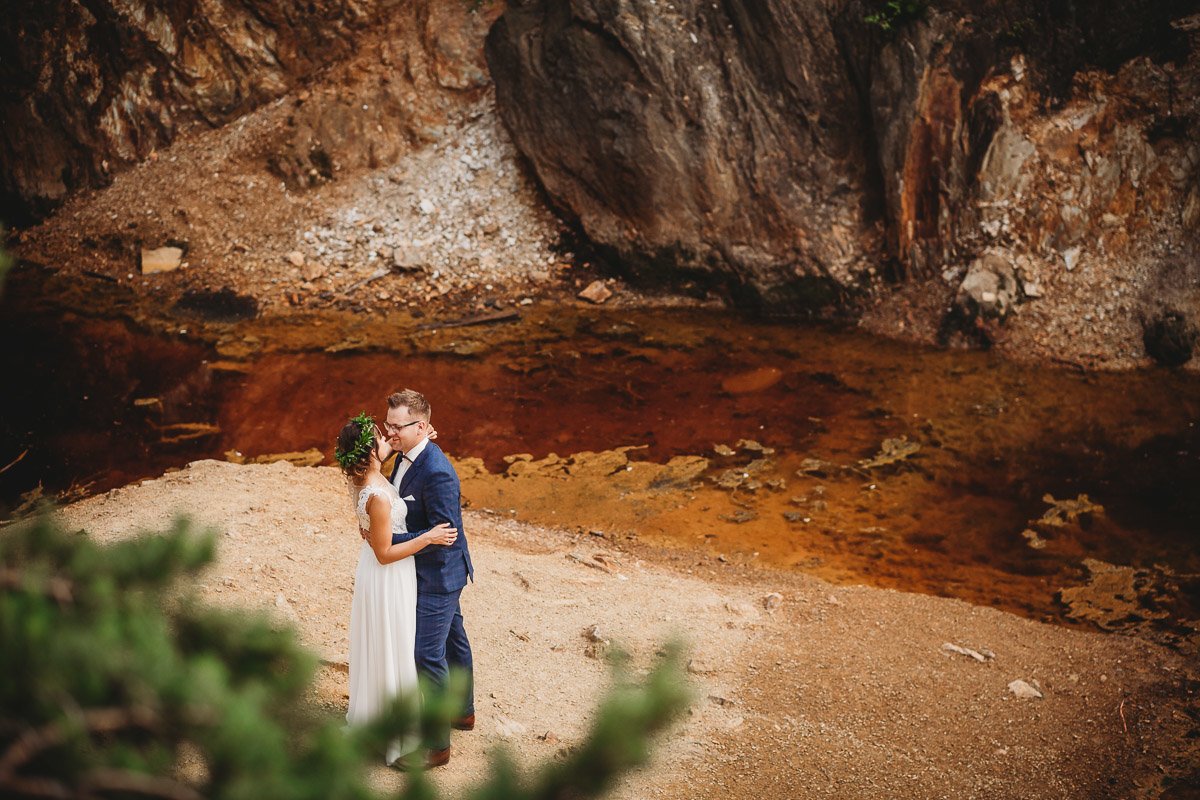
x,y
789,146
89,88
696,137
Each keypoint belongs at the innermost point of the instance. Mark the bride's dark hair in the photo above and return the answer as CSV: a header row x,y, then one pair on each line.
x,y
355,459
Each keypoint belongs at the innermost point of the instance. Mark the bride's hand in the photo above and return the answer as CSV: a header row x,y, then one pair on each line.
x,y
442,534
383,447
432,432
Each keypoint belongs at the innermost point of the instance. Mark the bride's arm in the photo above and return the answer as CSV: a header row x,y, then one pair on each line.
x,y
380,534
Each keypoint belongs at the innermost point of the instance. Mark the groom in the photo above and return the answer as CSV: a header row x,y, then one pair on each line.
x,y
429,486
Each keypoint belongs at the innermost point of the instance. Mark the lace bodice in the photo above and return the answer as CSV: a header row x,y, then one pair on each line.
x,y
389,494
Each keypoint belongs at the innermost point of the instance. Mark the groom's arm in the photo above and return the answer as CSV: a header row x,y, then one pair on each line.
x,y
442,504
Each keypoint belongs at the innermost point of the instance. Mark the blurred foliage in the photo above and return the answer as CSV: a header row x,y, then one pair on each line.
x,y
118,682
891,14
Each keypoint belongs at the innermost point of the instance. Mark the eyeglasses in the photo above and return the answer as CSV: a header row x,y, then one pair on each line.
x,y
390,428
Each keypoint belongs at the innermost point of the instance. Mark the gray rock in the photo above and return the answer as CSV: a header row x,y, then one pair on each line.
x,y
989,290
1024,690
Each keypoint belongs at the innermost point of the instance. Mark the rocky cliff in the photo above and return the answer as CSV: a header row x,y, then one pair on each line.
x,y
802,152
1014,173
88,87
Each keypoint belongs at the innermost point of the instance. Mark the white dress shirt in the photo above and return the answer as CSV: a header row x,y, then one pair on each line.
x,y
406,460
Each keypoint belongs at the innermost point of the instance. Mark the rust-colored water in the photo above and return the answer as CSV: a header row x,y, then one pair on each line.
x,y
995,438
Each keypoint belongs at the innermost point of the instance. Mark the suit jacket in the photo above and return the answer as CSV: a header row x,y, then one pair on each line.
x,y
433,484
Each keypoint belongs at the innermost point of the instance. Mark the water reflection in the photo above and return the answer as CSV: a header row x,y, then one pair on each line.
x,y
994,439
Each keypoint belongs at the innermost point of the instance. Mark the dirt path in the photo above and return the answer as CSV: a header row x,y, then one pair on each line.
x,y
834,692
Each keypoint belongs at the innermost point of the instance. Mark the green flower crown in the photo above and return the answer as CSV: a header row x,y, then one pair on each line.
x,y
366,440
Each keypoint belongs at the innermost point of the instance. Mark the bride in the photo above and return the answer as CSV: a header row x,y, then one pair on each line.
x,y
383,613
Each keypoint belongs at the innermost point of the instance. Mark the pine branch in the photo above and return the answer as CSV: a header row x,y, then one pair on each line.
x,y
59,589
101,720
117,780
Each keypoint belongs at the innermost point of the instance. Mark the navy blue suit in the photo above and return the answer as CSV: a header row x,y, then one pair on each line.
x,y
442,572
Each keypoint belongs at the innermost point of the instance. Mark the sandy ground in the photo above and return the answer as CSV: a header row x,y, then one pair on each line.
x,y
834,692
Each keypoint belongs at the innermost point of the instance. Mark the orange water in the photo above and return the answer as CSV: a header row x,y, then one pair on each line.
x,y
994,436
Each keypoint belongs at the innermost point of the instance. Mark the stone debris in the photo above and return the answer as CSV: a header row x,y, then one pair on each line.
x,y
981,656
303,458
1033,539
680,471
1067,512
595,562
509,728
814,467
892,451
597,646
1024,690
596,292
296,258
1116,597
592,634
161,259
989,289
772,601
698,666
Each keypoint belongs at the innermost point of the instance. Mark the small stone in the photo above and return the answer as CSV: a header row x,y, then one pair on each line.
x,y
596,292
698,666
1071,257
1031,289
162,259
966,651
772,601
508,728
592,634
296,258
1024,690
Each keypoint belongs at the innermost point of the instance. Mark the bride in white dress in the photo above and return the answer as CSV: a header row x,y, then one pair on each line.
x,y
383,614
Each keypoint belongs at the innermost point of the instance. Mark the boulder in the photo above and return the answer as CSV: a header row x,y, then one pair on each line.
x,y
989,290
712,139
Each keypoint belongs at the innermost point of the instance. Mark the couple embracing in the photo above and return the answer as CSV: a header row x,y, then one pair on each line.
x,y
414,562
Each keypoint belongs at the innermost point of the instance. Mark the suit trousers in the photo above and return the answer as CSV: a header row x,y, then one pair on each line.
x,y
442,645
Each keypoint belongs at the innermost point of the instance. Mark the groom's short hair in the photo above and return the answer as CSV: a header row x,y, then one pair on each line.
x,y
413,400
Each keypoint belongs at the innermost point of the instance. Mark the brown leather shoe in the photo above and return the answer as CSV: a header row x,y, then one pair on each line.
x,y
466,723
431,759
437,758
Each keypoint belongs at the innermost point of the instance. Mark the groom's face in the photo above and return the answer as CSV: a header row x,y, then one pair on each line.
x,y
404,430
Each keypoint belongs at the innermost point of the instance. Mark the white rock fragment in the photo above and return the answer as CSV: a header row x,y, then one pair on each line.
x,y
1022,689
980,656
162,259
1071,257
508,728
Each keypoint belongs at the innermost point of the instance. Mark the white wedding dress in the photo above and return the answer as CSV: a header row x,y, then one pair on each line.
x,y
383,625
